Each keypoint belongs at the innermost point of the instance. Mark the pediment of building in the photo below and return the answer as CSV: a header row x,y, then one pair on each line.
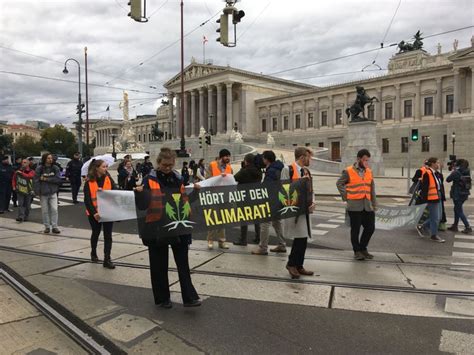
x,y
195,71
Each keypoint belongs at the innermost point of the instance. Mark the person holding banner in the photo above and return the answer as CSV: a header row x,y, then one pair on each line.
x,y
23,185
431,194
218,167
149,198
299,228
98,179
356,186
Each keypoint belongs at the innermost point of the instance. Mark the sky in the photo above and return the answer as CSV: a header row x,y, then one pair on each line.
x,y
36,37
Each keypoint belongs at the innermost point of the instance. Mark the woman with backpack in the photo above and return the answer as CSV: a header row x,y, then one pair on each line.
x,y
460,190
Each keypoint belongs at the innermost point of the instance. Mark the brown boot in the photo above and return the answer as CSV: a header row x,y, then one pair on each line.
x,y
303,271
293,272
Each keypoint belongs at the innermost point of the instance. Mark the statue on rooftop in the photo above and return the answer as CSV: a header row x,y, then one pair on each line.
x,y
408,47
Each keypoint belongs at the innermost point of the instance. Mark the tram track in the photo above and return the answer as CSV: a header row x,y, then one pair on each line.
x,y
195,270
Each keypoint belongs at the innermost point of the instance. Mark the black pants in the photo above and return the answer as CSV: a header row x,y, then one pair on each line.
x,y
244,230
75,186
159,272
5,196
14,197
96,227
365,219
298,250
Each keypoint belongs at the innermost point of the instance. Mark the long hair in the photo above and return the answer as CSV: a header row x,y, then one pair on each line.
x,y
44,157
92,171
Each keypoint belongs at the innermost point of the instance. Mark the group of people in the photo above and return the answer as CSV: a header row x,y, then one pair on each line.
x,y
129,176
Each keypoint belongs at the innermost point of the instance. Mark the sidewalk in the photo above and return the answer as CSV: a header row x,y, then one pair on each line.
x,y
118,303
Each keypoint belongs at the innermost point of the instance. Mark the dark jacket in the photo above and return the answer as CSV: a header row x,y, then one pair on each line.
x,y
273,172
146,168
425,183
6,175
49,186
127,181
87,193
457,191
248,174
73,169
149,232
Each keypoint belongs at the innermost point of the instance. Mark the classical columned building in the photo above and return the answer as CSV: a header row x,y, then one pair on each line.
x,y
220,98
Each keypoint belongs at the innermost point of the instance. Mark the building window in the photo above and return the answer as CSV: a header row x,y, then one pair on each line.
x,y
407,108
139,137
449,103
404,144
339,116
285,123
429,106
149,137
324,118
425,143
264,125
388,110
321,144
310,119
275,124
297,121
371,112
385,145
445,143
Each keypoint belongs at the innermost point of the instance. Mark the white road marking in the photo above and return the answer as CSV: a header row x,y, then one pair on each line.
x,y
460,254
318,232
325,225
464,236
336,220
463,245
456,342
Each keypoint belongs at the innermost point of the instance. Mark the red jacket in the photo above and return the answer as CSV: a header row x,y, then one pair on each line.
x,y
28,174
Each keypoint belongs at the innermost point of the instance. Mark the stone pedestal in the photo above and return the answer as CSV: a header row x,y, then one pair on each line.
x,y
362,135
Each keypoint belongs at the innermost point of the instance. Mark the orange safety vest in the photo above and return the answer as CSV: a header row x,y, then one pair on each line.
x,y
94,187
296,173
216,171
155,208
432,187
358,187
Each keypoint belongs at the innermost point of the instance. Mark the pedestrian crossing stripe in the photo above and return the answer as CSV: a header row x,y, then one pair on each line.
x,y
464,236
325,225
318,232
336,221
460,254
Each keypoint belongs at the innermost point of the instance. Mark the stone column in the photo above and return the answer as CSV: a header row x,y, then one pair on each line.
x,y
229,107
210,110
438,104
194,123
201,110
178,130
317,124
457,90
279,120
170,108
472,89
243,110
345,119
220,110
378,106
187,123
330,112
304,119
397,108
418,101
291,121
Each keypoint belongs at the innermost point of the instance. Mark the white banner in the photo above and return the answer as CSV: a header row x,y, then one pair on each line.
x,y
116,205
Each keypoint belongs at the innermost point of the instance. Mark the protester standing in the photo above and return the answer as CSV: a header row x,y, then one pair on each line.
x,y
6,176
73,173
222,167
356,186
431,194
98,179
147,167
247,175
442,221
299,228
460,191
272,174
150,198
23,185
46,184
128,176
16,166
200,171
121,175
185,173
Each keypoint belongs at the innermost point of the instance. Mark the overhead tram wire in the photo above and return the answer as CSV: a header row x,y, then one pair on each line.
x,y
165,48
254,20
75,82
90,70
362,52
158,9
72,102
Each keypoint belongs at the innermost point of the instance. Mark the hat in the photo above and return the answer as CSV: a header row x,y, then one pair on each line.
x,y
224,152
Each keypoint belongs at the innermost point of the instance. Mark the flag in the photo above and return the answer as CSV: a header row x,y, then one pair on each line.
x,y
108,108
204,39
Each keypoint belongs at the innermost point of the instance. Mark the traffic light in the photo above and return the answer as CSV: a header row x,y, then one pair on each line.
x,y
135,10
237,16
414,135
208,139
223,30
80,109
200,142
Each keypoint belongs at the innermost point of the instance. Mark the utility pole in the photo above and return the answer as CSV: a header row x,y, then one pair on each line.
x,y
182,150
87,100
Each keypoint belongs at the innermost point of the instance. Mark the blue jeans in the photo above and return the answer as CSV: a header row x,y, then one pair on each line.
x,y
434,208
459,213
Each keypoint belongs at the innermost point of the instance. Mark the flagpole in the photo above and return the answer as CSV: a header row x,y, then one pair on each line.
x,y
203,52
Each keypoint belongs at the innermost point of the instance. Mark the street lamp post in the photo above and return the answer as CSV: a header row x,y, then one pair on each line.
x,y
113,135
182,151
79,103
453,136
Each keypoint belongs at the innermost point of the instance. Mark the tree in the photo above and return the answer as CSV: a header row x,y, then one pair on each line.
x,y
25,146
6,141
58,140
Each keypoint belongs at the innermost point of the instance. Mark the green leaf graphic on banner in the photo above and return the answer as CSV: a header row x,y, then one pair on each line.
x,y
288,200
170,212
186,210
294,198
282,198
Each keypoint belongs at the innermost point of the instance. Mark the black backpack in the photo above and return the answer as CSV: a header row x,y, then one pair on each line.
x,y
465,184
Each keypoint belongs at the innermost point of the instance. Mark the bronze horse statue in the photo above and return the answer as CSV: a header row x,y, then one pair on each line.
x,y
358,107
408,47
